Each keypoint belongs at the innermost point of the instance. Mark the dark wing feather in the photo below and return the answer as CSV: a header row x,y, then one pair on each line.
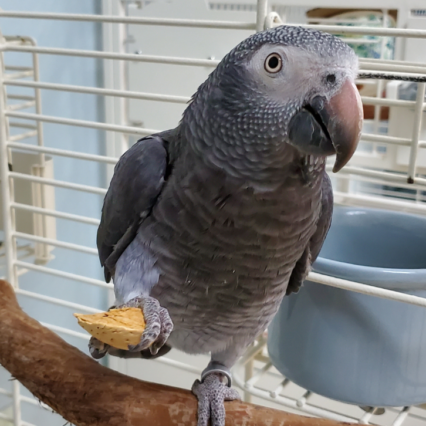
x,y
135,186
311,252
324,222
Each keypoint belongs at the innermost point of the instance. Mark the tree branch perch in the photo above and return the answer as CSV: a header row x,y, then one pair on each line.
x,y
87,394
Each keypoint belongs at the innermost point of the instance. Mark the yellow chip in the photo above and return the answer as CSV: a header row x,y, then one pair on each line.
x,y
117,327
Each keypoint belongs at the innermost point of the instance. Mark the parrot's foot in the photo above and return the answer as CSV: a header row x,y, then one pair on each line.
x,y
153,339
99,350
211,394
158,324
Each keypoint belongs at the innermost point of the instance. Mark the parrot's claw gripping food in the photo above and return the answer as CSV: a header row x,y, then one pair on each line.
x,y
137,329
158,324
211,394
97,348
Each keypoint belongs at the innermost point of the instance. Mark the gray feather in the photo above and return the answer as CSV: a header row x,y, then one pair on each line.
x,y
316,242
137,182
324,221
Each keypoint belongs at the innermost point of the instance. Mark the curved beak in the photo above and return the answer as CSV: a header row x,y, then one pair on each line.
x,y
327,128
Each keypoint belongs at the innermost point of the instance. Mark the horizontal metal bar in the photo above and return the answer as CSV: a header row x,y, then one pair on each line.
x,y
341,21
420,181
56,243
22,125
21,97
380,181
63,152
17,67
19,38
22,136
99,91
196,62
380,66
393,32
391,62
375,174
370,100
367,289
5,392
62,274
23,105
82,123
56,213
385,32
18,75
392,140
380,202
362,41
13,40
58,183
382,177
66,331
194,23
57,301
118,56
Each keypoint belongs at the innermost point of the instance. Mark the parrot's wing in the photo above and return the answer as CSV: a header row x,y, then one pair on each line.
x,y
138,179
324,222
311,252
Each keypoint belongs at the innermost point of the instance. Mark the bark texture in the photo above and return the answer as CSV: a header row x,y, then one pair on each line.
x,y
87,394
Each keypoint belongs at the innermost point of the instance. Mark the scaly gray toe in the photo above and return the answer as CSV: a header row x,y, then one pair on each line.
x,y
211,394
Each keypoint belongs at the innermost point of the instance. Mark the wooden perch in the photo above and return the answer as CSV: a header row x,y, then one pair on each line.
x,y
87,394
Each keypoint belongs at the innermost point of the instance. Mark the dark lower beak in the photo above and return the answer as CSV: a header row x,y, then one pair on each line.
x,y
327,128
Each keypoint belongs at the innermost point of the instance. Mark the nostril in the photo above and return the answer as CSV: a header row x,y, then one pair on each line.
x,y
331,78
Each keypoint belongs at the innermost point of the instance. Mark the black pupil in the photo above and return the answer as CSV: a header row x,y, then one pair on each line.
x,y
331,78
273,62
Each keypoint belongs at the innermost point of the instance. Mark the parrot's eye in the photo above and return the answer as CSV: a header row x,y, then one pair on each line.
x,y
273,63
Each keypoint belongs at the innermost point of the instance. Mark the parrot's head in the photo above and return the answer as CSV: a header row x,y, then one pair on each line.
x,y
287,91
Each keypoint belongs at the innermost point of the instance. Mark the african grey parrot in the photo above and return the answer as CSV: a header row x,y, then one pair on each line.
x,y
207,226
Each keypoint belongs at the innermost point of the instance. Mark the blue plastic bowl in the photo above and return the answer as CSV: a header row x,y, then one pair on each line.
x,y
351,347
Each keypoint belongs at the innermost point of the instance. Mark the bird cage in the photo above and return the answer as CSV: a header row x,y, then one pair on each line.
x,y
105,77
28,194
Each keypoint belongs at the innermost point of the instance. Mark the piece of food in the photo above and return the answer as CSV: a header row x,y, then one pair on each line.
x,y
117,327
